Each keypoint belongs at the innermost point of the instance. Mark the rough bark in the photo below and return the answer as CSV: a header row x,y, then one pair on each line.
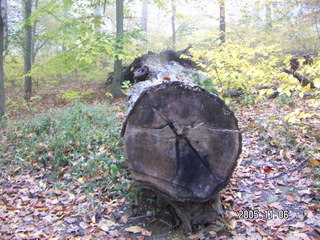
x,y
222,34
302,79
180,139
27,50
117,76
34,30
2,37
268,5
173,25
144,14
167,56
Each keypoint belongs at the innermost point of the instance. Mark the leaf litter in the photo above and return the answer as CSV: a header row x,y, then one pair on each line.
x,y
259,203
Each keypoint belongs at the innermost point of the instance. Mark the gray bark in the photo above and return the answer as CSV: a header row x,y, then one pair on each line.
x,y
3,11
179,139
65,15
34,28
145,15
117,76
222,34
28,50
268,13
173,24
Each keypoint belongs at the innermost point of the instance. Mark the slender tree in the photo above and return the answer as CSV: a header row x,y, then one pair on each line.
x,y
222,33
173,24
268,5
117,73
3,11
34,28
145,15
27,49
257,9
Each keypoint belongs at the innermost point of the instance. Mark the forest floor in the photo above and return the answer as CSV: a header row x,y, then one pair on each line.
x,y
273,194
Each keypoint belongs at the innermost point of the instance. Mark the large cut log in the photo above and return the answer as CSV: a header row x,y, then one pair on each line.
x,y
180,139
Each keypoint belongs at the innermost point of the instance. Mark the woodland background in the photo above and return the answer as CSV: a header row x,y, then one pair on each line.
x,y
61,115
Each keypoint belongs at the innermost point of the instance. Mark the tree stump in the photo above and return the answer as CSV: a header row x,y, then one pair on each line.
x,y
181,140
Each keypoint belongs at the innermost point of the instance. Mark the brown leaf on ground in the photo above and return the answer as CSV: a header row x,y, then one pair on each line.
x,y
138,229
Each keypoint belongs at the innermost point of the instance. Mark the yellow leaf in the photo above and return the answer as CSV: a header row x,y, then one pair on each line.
x,y
270,91
301,95
314,162
194,236
81,180
105,226
138,229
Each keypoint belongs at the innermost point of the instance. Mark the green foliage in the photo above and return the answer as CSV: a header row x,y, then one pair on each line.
x,y
236,65
86,45
205,82
239,66
296,132
74,96
83,141
13,68
72,42
125,86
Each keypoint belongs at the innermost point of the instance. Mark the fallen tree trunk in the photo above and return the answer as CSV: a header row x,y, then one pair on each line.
x,y
302,79
180,139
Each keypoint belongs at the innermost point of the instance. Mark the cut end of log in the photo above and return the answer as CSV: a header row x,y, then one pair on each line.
x,y
179,139
182,140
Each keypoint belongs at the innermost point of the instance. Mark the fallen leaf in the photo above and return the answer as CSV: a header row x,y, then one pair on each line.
x,y
281,183
233,224
278,191
98,233
70,220
105,225
138,229
124,219
290,197
314,206
314,162
305,199
276,205
195,236
262,233
298,236
267,169
298,225
275,222
307,229
305,192
83,225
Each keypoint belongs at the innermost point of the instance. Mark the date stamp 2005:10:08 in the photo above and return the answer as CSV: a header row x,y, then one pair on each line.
x,y
267,214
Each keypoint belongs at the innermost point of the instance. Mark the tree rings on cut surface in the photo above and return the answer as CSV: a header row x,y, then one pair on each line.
x,y
181,140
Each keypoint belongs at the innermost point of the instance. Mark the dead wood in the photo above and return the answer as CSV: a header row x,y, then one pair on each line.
x,y
302,79
180,140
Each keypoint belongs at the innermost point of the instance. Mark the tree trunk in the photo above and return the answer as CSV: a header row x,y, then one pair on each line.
x,y
180,139
3,11
222,34
268,13
117,76
34,29
27,50
145,15
257,9
173,25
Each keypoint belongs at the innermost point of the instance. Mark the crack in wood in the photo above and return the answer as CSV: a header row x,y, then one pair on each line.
x,y
182,136
162,179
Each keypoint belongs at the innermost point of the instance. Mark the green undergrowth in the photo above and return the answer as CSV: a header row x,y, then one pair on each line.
x,y
82,142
